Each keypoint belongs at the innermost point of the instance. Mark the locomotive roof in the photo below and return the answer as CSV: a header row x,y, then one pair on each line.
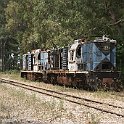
x,y
76,43
104,39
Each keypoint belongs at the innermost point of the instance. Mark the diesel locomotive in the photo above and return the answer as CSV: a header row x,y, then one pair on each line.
x,y
89,64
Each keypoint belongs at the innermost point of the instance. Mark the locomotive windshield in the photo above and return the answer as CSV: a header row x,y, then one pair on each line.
x,y
78,52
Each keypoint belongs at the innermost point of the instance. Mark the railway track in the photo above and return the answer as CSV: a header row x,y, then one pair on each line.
x,y
103,107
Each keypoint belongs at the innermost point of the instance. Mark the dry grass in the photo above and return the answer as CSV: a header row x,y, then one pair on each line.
x,y
15,75
17,104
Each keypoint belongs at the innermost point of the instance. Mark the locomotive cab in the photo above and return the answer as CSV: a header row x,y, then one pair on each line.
x,y
75,56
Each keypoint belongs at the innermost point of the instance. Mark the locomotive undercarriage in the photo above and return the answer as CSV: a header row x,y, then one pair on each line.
x,y
90,81
33,76
67,79
104,80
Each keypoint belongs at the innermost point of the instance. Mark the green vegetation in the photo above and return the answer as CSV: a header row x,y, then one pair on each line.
x,y
41,23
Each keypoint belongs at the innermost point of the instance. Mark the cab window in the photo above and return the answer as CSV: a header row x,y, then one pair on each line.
x,y
78,52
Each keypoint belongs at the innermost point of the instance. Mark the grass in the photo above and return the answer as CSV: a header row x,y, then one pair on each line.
x,y
16,76
13,74
17,104
99,94
92,119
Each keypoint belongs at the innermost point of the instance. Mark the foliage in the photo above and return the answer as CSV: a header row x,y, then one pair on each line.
x,y
42,23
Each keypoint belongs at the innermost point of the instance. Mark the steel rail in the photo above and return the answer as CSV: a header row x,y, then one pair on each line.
x,y
36,89
89,100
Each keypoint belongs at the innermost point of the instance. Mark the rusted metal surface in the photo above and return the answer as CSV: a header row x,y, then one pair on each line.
x,y
93,80
107,81
64,80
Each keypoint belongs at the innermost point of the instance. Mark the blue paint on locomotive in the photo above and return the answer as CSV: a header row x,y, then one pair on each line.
x,y
113,57
92,56
87,56
98,56
25,62
44,60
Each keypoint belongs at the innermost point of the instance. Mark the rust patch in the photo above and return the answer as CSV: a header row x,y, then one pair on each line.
x,y
107,81
64,80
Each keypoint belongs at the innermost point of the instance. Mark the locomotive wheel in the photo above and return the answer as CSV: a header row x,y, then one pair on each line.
x,y
75,84
52,79
118,86
93,86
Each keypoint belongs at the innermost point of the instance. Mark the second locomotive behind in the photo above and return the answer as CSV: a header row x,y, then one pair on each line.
x,y
87,64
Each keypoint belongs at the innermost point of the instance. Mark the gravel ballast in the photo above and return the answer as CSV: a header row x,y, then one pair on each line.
x,y
21,106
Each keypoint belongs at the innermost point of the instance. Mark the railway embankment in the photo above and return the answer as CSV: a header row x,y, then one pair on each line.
x,y
18,105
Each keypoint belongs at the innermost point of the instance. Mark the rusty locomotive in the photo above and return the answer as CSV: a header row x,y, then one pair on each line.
x,y
90,64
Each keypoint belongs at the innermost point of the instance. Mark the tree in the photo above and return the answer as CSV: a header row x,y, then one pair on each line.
x,y
41,23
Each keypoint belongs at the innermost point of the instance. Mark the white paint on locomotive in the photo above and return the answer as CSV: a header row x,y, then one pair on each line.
x,y
75,56
36,60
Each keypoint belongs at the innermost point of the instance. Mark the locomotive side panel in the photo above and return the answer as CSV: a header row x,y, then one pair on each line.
x,y
54,59
25,62
36,60
106,52
87,59
64,58
30,61
44,60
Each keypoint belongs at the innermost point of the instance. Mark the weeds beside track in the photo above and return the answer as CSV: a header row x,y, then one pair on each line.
x,y
103,107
